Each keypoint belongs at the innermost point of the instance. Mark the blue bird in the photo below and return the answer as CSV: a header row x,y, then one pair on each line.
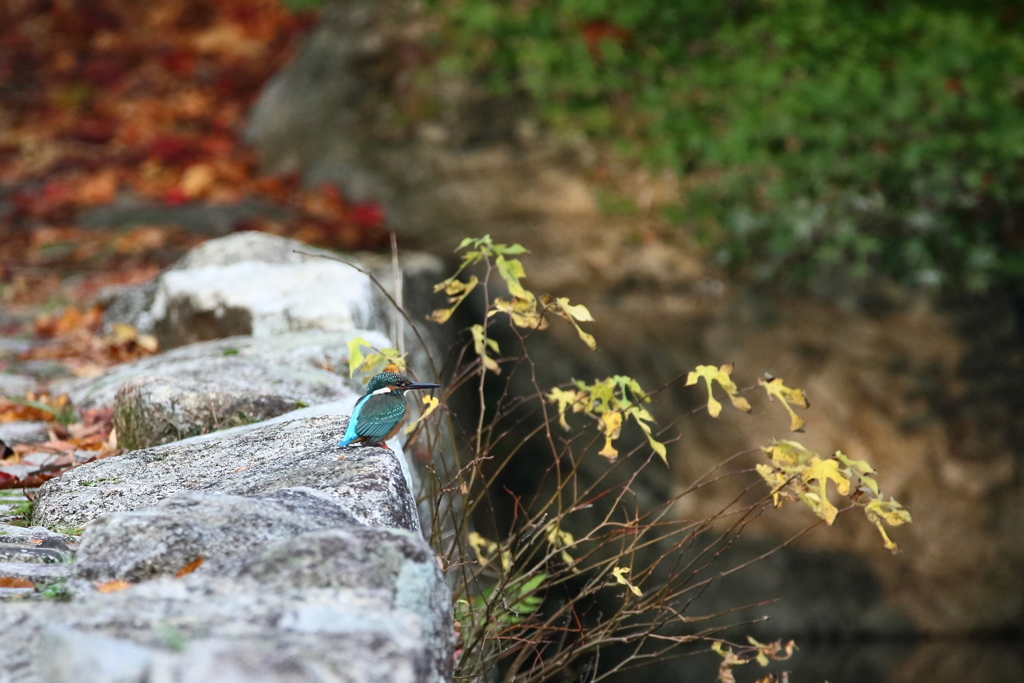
x,y
380,412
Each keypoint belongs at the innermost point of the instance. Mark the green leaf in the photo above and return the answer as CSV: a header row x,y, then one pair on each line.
x,y
355,354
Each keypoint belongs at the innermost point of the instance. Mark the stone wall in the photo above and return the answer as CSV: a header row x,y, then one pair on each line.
x,y
235,542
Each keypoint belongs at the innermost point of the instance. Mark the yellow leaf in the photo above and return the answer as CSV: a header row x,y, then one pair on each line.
x,y
740,403
523,312
431,402
620,576
457,292
787,452
642,417
355,354
479,544
386,359
611,425
576,312
511,271
775,478
776,389
709,373
821,471
862,469
572,313
480,344
892,513
564,399
561,540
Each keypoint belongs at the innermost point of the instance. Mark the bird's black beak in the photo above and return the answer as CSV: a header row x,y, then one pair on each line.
x,y
420,385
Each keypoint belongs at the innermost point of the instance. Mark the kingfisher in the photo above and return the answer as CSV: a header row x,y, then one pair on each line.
x,y
380,412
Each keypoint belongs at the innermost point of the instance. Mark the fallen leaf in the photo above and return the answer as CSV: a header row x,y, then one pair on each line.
x,y
15,582
196,180
112,586
190,567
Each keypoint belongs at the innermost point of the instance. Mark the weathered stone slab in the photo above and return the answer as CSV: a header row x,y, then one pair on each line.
x,y
224,530
258,284
368,482
191,630
284,365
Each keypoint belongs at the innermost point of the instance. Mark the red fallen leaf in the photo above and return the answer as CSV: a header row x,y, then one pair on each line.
x,y
190,567
180,62
15,582
171,149
175,196
217,145
368,215
55,192
281,183
96,131
104,71
32,481
7,480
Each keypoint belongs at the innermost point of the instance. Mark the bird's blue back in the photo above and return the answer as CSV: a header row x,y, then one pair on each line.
x,y
350,431
374,417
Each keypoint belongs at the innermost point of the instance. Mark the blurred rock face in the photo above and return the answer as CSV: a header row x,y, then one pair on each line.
x,y
925,393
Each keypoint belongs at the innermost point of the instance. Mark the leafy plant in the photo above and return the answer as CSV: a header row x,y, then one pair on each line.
x,y
584,564
815,135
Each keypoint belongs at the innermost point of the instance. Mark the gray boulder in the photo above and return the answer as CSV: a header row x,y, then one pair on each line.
x,y
284,365
220,384
224,530
252,283
193,630
370,483
394,560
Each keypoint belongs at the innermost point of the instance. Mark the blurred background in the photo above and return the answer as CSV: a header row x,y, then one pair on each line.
x,y
828,191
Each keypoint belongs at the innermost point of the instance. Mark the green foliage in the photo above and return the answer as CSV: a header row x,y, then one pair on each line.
x,y
378,360
302,5
510,606
24,510
818,134
58,590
